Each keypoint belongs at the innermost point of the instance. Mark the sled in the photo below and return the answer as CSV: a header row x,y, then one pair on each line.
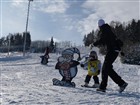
x,y
87,86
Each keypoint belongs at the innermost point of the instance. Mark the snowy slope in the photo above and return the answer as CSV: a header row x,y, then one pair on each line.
x,y
24,81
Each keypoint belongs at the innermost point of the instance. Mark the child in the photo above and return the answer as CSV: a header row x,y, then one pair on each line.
x,y
94,67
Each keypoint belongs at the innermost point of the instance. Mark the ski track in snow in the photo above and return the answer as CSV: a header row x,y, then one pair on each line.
x,y
24,81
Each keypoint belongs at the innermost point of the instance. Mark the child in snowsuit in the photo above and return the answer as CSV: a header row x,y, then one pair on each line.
x,y
94,67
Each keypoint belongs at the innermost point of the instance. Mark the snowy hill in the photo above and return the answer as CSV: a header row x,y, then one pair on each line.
x,y
24,81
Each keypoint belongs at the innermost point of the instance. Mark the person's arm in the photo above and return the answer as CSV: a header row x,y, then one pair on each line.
x,y
101,41
99,67
82,65
74,63
57,65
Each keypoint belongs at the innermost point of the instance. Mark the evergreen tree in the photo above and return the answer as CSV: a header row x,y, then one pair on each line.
x,y
28,39
1,41
89,38
12,40
138,31
85,40
51,47
18,39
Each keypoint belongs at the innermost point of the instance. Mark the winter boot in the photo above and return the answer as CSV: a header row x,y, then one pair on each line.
x,y
85,85
122,88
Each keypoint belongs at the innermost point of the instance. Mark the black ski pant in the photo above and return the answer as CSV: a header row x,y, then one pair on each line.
x,y
95,78
107,70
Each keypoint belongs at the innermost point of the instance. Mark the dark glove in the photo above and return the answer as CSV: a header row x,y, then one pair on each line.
x,y
79,58
95,44
122,54
98,72
82,65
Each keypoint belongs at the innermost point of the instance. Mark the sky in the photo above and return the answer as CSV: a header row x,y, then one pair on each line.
x,y
64,20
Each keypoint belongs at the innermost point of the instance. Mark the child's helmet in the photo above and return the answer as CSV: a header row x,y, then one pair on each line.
x,y
93,54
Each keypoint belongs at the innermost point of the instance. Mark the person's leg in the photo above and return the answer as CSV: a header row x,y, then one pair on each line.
x,y
96,79
116,78
113,75
104,75
107,67
96,82
87,79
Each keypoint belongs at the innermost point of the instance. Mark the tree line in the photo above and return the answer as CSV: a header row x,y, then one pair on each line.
x,y
40,45
54,47
15,42
128,32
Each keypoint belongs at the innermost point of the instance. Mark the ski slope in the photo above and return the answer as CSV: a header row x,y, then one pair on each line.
x,y
24,81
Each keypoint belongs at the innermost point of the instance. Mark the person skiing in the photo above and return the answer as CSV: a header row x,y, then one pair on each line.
x,y
46,52
108,38
94,67
45,57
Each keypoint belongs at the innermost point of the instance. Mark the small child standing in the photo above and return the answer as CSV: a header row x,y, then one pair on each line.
x,y
94,67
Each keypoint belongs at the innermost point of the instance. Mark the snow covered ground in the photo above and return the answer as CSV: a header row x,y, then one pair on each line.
x,y
24,81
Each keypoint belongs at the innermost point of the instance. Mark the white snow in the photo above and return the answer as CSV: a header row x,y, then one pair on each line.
x,y
24,81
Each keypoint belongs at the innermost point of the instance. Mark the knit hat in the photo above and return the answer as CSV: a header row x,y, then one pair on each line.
x,y
101,22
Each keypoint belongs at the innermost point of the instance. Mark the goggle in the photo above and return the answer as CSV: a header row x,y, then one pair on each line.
x,y
92,56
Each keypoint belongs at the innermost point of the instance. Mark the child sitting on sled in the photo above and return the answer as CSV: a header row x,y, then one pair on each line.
x,y
94,67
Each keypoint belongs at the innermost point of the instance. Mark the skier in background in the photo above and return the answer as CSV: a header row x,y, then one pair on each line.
x,y
45,57
47,52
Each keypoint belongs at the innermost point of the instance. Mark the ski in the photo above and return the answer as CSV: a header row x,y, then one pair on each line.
x,y
87,86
